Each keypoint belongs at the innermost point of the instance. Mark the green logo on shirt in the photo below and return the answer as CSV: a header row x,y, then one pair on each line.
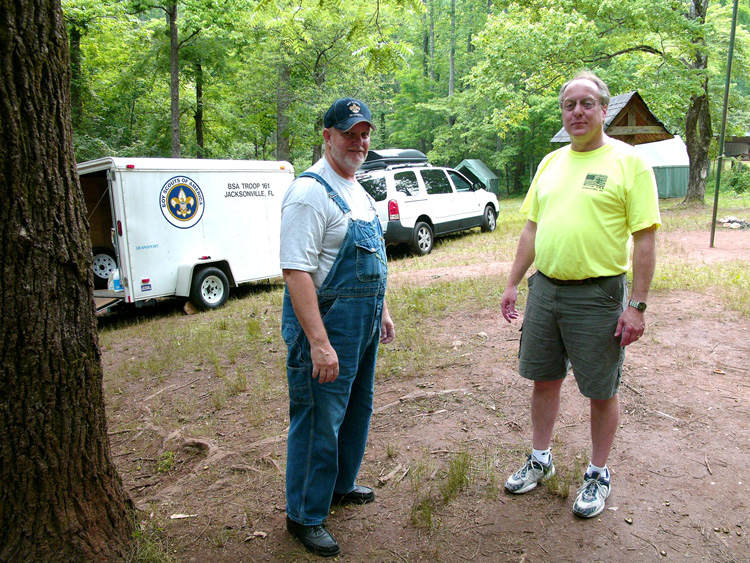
x,y
595,182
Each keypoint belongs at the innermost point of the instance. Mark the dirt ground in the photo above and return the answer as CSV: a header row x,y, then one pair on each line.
x,y
680,477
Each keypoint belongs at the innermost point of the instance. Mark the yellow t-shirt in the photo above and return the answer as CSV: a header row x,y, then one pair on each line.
x,y
586,205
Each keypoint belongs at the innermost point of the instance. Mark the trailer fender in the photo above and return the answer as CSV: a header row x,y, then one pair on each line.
x,y
184,279
185,274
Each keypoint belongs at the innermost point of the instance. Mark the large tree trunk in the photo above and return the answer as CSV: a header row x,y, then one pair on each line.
x,y
698,120
60,496
174,78
698,140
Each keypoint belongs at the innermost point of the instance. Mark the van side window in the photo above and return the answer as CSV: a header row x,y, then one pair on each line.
x,y
461,183
436,182
374,186
406,182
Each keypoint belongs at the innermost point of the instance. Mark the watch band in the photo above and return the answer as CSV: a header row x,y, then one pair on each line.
x,y
640,305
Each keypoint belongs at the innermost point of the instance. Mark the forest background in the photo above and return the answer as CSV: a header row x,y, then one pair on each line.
x,y
456,79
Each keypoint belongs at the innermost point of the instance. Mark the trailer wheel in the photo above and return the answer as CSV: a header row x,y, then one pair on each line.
x,y
104,264
210,289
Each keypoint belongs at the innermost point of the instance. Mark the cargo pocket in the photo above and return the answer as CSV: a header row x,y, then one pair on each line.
x,y
299,386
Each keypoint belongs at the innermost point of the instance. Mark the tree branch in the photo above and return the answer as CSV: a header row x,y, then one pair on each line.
x,y
638,48
181,43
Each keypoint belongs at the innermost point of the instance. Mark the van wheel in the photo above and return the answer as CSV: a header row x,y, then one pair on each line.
x,y
104,264
423,239
489,221
210,289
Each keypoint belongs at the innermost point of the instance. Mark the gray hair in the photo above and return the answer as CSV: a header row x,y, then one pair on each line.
x,y
588,75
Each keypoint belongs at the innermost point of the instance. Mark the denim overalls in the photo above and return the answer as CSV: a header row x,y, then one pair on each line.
x,y
329,422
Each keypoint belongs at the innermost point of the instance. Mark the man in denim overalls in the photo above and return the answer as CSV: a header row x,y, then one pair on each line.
x,y
334,263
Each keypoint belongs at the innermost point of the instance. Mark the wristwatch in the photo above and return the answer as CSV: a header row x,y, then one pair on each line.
x,y
640,305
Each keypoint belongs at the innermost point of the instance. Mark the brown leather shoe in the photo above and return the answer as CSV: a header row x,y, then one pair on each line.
x,y
359,495
315,539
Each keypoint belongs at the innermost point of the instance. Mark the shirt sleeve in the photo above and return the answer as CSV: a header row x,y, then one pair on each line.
x,y
642,200
303,228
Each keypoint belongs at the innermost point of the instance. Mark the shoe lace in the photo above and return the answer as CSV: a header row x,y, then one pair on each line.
x,y
590,488
524,471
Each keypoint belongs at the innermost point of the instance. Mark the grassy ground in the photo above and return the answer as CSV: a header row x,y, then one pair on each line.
x,y
244,337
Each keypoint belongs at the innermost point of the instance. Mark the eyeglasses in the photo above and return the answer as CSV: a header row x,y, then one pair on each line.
x,y
586,103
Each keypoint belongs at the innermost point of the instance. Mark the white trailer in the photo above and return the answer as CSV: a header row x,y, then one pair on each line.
x,y
188,227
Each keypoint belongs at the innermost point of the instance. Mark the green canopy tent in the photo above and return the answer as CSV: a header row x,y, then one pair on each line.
x,y
671,165
477,172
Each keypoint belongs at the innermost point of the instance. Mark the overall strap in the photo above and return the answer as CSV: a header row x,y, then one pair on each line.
x,y
333,194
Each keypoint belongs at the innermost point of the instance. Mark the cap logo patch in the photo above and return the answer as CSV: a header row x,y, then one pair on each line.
x,y
354,107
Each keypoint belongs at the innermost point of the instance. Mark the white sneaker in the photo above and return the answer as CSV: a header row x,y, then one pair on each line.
x,y
592,495
529,475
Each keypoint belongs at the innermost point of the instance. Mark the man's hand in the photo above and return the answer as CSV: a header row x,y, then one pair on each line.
x,y
630,326
387,330
305,302
325,362
508,303
523,261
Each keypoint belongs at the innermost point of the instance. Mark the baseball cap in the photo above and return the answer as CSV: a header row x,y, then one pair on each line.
x,y
345,113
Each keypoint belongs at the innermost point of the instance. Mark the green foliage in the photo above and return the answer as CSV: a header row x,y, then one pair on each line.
x,y
270,69
737,179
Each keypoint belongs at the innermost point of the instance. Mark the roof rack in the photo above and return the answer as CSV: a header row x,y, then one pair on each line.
x,y
385,158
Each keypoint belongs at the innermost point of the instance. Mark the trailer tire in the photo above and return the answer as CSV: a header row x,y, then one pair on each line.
x,y
104,263
210,289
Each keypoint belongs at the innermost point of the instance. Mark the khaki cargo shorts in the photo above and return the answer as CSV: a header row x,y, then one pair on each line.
x,y
573,326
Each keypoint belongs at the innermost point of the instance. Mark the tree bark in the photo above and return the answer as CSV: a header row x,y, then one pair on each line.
x,y
60,496
76,81
199,109
432,40
174,77
425,47
698,140
283,102
452,60
698,131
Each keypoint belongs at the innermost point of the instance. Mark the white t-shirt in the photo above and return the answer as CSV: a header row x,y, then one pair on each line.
x,y
313,226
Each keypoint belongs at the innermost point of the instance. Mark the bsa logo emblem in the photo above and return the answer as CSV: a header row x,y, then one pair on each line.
x,y
354,107
181,201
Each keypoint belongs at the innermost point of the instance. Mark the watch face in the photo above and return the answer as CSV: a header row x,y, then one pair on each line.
x,y
638,305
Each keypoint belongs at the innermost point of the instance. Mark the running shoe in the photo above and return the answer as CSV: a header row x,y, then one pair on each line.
x,y
529,475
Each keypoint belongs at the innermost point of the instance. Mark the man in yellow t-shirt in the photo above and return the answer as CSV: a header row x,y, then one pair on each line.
x,y
584,204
